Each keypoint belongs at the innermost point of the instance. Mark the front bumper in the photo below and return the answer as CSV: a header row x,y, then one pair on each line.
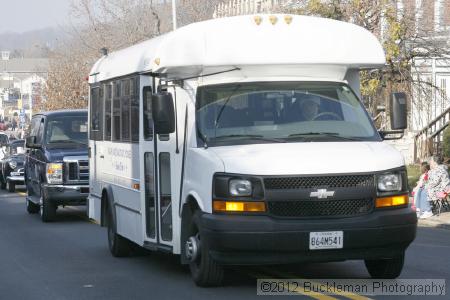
x,y
234,239
16,177
67,194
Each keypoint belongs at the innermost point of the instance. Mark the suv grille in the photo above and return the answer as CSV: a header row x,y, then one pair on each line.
x,y
318,208
78,171
346,181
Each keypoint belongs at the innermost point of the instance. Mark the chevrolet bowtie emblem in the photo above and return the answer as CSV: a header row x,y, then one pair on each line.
x,y
322,194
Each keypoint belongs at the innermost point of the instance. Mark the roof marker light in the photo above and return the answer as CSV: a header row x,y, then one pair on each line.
x,y
157,61
288,19
257,19
273,20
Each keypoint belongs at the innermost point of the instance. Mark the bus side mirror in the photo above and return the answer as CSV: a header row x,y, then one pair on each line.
x,y
163,113
398,111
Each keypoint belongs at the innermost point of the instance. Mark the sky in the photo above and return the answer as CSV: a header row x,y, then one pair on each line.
x,y
25,15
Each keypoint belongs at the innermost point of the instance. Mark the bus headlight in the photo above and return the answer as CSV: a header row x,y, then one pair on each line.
x,y
389,182
240,187
54,173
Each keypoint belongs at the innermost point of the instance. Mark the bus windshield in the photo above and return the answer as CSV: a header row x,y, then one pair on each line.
x,y
268,112
67,130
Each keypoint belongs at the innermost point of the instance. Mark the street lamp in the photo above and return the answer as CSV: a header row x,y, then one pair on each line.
x,y
174,14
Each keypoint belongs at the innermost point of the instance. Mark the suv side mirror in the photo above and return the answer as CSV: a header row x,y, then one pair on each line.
x,y
30,142
398,111
163,113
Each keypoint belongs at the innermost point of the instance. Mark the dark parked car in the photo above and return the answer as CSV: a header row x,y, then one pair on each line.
x,y
12,172
56,167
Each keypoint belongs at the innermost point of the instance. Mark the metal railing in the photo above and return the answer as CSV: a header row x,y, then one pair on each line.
x,y
428,141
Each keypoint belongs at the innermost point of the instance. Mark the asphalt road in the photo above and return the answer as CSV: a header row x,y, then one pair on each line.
x,y
69,259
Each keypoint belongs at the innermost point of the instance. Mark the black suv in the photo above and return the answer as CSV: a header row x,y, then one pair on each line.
x,y
12,165
56,166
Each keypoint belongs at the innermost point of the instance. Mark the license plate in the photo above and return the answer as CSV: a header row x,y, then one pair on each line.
x,y
326,240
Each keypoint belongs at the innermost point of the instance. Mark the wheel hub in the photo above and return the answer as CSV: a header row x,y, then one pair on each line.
x,y
193,248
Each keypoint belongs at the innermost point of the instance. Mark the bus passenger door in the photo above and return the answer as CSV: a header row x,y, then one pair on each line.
x,y
147,153
159,151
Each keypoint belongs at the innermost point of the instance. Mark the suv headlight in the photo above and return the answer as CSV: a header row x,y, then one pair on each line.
x,y
54,173
389,182
12,164
240,187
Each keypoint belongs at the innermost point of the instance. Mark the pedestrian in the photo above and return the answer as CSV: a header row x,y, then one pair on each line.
x,y
437,183
420,186
14,124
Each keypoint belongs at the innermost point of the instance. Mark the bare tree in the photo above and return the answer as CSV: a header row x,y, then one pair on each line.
x,y
405,43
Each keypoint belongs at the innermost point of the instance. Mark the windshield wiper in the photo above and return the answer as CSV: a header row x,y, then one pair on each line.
x,y
250,136
326,134
236,89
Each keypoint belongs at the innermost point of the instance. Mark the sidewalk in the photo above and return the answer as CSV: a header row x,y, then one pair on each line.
x,y
441,221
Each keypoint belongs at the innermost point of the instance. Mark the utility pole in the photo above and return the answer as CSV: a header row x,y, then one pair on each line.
x,y
174,14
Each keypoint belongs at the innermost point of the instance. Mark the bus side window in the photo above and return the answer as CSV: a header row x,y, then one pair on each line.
x,y
148,119
116,112
134,106
108,101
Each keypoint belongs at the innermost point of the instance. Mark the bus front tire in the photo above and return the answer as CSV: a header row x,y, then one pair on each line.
x,y
385,268
118,245
204,269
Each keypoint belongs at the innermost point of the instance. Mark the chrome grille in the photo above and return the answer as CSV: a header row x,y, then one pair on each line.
x,y
77,171
345,181
319,208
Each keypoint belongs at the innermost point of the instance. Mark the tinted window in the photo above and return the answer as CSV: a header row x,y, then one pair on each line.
x,y
125,102
148,119
108,102
134,110
96,114
116,112
3,139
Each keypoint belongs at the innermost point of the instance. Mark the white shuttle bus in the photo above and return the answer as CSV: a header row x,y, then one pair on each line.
x,y
244,140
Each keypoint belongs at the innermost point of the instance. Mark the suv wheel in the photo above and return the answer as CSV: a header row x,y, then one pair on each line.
x,y
385,268
32,208
47,209
2,184
118,245
11,186
204,269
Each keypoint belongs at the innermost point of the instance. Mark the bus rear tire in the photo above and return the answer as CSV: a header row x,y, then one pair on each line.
x,y
385,268
118,245
205,270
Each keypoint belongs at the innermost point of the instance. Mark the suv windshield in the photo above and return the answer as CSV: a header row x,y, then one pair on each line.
x,y
259,112
66,130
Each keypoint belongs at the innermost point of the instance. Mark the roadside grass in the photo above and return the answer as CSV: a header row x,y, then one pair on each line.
x,y
413,175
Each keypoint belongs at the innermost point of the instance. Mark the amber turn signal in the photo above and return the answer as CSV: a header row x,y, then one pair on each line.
x,y
241,206
391,201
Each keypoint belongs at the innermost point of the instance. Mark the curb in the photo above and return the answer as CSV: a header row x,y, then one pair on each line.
x,y
432,223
